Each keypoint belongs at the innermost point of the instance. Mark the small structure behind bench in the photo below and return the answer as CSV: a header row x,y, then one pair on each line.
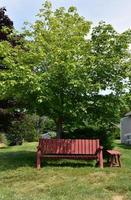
x,y
114,158
69,149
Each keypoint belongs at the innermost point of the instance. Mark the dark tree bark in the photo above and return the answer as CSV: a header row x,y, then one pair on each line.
x,y
59,127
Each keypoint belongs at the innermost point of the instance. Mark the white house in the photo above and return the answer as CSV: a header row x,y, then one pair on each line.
x,y
126,129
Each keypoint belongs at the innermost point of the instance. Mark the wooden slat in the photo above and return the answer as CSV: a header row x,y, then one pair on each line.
x,y
88,149
64,142
57,147
52,146
91,150
82,146
47,146
94,147
61,146
77,147
72,146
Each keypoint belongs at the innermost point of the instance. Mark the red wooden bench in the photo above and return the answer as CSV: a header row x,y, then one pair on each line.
x,y
69,149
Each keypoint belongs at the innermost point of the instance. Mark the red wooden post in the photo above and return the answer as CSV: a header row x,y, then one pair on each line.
x,y
119,160
38,159
101,157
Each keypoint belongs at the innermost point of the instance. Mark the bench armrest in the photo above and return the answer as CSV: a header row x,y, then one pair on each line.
x,y
101,148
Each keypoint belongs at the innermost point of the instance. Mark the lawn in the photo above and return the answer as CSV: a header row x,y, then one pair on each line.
x,y
61,180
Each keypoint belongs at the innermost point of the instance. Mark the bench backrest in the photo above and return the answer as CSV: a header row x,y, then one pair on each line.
x,y
69,146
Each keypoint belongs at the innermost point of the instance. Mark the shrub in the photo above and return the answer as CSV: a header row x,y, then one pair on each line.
x,y
47,124
117,134
105,135
28,127
14,134
25,129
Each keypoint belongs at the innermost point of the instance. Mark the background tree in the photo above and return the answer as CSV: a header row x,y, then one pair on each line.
x,y
8,40
6,27
112,64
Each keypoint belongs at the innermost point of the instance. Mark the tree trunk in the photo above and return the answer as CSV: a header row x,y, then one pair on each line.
x,y
59,127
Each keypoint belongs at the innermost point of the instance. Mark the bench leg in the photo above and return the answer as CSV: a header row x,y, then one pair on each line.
x,y
101,159
116,159
111,160
38,160
119,162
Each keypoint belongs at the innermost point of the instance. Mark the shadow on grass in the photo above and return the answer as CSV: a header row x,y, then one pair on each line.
x,y
67,163
14,160
124,146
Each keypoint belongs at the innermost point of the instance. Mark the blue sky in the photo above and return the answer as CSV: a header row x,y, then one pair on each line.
x,y
116,12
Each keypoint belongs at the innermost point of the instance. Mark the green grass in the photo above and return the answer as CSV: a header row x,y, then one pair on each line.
x,y
61,180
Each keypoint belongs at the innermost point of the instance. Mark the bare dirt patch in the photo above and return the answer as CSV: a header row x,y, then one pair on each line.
x,y
117,197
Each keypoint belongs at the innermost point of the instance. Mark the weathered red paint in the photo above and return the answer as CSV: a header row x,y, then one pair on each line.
x,y
69,149
114,158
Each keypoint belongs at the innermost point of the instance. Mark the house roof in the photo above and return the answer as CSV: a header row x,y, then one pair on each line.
x,y
128,114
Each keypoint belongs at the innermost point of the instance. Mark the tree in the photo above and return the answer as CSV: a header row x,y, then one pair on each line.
x,y
112,61
52,66
61,73
6,26
8,40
